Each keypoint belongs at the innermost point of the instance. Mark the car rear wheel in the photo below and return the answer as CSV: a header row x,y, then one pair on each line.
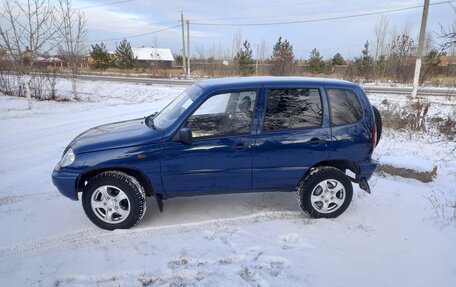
x,y
325,193
114,200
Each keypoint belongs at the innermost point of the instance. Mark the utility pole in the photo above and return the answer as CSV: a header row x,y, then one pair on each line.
x,y
419,52
188,48
183,44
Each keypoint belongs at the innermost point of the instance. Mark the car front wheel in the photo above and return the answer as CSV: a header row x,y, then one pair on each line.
x,y
114,200
325,193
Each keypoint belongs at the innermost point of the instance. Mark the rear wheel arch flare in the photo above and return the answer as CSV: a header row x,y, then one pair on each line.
x,y
342,165
378,123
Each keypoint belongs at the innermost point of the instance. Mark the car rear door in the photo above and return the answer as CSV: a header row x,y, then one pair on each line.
x,y
351,130
292,137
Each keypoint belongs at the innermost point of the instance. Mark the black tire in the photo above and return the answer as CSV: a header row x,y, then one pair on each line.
x,y
129,186
310,184
378,123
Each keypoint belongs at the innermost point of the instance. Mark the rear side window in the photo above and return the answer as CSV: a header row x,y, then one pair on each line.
x,y
292,109
344,107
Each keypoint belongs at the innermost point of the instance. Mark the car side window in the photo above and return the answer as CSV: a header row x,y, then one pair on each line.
x,y
292,109
223,114
344,106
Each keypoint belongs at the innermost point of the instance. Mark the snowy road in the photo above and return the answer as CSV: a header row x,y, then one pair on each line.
x,y
401,235
369,88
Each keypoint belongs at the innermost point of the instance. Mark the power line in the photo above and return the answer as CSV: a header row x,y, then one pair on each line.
x,y
134,36
104,4
319,19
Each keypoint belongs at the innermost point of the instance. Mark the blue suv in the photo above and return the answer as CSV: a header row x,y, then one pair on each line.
x,y
232,135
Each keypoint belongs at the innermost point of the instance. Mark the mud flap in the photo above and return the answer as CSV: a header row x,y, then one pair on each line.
x,y
364,185
159,202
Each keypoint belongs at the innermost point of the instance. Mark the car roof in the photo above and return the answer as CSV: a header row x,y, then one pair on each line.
x,y
234,82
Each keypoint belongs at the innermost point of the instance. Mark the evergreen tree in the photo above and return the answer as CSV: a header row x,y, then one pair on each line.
x,y
365,64
316,63
431,65
380,66
328,67
282,58
244,60
124,55
338,60
100,55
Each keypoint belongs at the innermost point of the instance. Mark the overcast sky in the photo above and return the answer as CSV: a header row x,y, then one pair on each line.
x,y
130,18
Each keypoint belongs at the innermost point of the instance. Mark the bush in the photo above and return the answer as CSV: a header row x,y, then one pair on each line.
x,y
414,118
448,127
411,118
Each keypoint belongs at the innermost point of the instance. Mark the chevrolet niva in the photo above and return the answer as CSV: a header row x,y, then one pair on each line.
x,y
232,135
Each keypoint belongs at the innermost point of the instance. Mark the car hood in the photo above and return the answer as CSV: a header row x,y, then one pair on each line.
x,y
116,135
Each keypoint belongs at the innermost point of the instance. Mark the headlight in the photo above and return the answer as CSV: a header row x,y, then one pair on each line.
x,y
68,158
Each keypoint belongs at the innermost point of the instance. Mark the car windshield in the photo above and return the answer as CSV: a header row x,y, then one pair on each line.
x,y
177,107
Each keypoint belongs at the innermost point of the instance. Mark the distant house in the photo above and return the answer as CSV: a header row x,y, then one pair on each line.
x,y
154,57
8,58
447,60
48,62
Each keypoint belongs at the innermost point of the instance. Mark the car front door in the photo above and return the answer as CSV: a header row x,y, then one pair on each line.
x,y
292,137
219,158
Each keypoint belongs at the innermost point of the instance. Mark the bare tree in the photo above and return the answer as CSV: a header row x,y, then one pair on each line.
x,y
402,48
448,34
407,28
263,50
237,41
380,31
27,29
262,56
399,64
71,35
200,51
429,43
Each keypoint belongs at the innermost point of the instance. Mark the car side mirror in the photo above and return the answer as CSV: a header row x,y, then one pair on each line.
x,y
185,135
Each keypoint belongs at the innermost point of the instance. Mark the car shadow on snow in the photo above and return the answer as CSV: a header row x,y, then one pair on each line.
x,y
210,207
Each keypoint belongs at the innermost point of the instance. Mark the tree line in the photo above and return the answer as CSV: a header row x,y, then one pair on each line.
x,y
397,64
390,55
123,57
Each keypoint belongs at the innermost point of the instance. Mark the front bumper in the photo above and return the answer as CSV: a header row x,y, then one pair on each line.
x,y
66,183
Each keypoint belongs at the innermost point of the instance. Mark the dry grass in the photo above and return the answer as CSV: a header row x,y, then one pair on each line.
x,y
414,118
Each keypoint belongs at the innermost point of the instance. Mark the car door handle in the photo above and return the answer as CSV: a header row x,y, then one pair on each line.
x,y
316,141
240,145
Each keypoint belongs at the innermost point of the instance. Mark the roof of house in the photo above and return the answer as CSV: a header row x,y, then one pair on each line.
x,y
153,54
49,60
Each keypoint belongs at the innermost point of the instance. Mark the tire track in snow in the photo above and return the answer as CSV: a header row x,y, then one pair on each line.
x,y
94,236
8,200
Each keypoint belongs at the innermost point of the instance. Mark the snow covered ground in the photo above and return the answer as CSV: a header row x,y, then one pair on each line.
x,y
404,234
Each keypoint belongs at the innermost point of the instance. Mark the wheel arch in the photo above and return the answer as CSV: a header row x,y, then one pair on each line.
x,y
84,178
340,164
